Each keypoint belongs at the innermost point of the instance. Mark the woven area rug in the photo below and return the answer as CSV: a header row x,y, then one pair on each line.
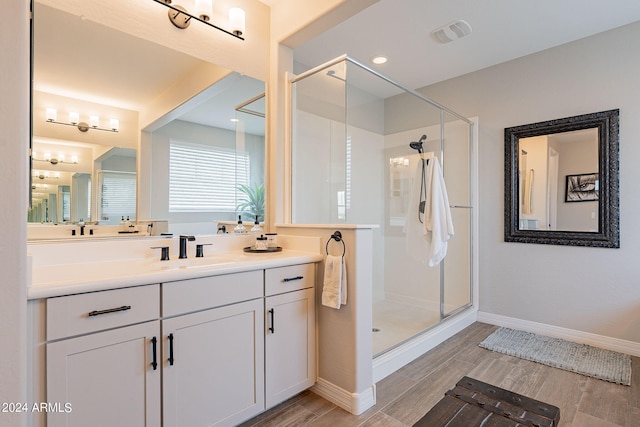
x,y
579,358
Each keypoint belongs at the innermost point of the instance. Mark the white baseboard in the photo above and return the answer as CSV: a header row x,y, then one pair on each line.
x,y
395,359
615,344
355,403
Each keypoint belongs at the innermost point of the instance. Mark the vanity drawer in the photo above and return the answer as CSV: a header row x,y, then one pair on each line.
x,y
287,279
186,296
95,311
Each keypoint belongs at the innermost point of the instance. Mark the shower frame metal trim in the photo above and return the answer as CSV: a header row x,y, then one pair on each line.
x,y
345,57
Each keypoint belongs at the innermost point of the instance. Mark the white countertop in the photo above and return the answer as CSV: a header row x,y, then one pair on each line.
x,y
65,279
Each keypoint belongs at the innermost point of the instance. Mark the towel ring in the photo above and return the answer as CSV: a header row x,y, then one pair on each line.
x,y
337,236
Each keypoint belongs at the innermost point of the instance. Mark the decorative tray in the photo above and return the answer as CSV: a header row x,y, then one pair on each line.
x,y
251,249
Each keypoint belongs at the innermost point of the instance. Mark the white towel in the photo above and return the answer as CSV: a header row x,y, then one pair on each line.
x,y
436,229
334,289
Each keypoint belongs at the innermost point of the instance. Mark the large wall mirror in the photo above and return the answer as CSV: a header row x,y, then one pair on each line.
x,y
88,80
561,181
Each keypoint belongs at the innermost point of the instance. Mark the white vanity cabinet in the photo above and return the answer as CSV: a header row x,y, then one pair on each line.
x,y
213,367
208,351
105,378
290,331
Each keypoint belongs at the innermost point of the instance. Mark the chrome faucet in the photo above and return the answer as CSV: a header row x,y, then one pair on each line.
x,y
183,245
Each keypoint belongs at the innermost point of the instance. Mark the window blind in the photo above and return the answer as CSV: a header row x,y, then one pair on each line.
x,y
203,178
117,195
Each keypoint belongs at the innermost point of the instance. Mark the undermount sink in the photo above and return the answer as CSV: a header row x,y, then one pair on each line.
x,y
188,263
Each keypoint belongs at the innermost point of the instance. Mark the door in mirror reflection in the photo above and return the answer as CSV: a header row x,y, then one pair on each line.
x,y
559,181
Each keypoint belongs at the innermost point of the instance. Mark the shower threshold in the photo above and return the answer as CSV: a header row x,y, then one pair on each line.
x,y
399,355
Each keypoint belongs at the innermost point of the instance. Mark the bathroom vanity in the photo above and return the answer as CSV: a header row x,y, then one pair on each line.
x,y
197,344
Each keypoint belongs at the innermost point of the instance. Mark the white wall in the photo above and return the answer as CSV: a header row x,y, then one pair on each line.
x,y
585,289
14,137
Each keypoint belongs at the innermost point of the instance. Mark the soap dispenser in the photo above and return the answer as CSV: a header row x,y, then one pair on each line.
x,y
256,227
240,229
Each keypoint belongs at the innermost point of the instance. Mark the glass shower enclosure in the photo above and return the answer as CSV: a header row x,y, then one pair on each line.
x,y
352,164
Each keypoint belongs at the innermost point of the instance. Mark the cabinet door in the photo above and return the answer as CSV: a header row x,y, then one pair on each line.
x,y
105,379
290,345
213,373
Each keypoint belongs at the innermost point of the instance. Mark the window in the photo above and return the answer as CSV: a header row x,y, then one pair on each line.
x,y
203,178
117,196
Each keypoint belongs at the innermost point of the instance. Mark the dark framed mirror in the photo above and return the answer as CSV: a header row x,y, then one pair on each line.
x,y
561,181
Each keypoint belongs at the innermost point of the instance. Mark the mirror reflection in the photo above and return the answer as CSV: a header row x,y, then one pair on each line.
x,y
208,160
559,182
120,102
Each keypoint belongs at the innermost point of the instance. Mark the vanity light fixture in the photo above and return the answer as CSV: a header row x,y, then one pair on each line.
x,y
181,18
51,115
61,158
45,175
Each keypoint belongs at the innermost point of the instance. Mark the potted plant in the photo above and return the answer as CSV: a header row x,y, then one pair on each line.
x,y
251,202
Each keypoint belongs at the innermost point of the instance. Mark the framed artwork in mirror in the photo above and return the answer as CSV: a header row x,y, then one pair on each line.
x,y
582,188
545,165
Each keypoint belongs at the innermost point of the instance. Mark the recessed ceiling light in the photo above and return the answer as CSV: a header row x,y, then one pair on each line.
x,y
234,120
379,59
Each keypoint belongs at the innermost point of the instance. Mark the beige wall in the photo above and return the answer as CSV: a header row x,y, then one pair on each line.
x,y
148,20
584,289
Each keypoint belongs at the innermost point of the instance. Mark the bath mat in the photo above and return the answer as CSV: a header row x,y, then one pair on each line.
x,y
558,353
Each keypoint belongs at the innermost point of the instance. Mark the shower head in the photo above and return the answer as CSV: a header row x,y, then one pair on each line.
x,y
417,145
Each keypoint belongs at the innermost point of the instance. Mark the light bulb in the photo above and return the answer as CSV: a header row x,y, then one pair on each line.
x,y
74,159
61,157
74,118
51,114
236,21
115,125
204,9
47,156
94,121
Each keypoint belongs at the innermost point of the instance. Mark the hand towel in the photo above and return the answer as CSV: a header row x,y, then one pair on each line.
x,y
334,289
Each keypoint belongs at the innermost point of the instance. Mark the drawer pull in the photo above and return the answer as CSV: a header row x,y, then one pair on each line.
x,y
291,279
170,350
272,328
109,310
154,345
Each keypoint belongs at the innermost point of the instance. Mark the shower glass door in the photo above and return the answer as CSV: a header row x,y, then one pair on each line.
x,y
352,163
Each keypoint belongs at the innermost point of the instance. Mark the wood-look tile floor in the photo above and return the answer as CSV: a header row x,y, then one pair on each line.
x,y
406,395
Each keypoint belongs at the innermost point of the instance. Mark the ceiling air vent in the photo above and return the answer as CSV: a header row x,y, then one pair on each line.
x,y
452,31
